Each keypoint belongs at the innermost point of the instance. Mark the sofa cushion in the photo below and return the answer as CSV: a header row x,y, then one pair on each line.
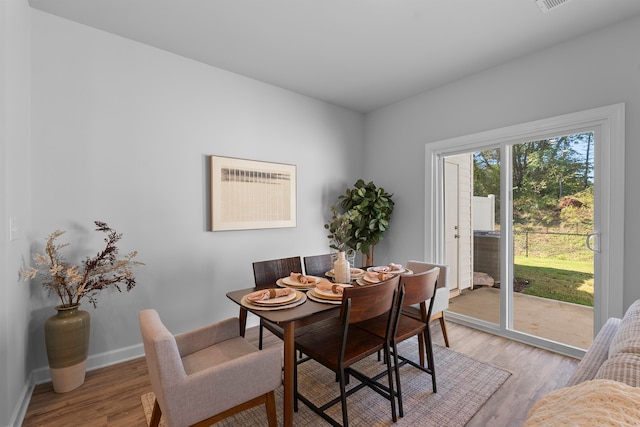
x,y
623,367
597,354
627,338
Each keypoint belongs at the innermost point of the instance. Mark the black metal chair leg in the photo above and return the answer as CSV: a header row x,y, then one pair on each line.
x,y
398,387
343,399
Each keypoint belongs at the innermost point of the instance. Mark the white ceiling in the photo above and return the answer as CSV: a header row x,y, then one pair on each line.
x,y
361,54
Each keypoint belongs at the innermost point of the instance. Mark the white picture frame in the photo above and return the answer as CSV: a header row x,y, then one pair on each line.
x,y
251,194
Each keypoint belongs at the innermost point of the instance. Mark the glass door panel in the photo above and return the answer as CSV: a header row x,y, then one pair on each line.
x,y
553,205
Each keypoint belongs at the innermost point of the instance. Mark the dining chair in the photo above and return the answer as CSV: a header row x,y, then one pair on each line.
x,y
317,265
265,275
337,344
416,289
441,302
203,376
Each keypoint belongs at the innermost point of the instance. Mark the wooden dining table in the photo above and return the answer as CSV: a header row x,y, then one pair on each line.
x,y
289,319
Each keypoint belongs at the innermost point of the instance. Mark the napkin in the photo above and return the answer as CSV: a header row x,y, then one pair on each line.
x,y
266,294
300,278
390,267
395,267
373,276
326,285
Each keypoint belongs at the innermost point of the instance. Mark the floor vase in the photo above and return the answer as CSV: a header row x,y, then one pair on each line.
x,y
67,340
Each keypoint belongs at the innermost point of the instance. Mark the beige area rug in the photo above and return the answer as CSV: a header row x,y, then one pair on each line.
x,y
464,385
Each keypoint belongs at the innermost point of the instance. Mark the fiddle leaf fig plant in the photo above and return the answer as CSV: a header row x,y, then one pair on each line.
x,y
370,208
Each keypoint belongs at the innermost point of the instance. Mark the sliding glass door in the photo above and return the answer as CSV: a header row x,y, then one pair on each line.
x,y
512,213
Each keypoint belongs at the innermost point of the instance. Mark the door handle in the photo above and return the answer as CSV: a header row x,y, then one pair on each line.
x,y
595,238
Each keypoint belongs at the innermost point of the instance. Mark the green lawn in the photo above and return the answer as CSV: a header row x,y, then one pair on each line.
x,y
558,279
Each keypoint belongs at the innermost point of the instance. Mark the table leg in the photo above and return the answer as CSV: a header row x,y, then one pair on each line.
x,y
289,361
243,321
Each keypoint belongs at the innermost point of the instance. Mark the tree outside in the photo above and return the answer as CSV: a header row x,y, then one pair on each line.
x,y
552,213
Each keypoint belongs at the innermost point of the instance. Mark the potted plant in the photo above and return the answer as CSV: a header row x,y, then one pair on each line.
x,y
370,208
339,228
67,332
339,232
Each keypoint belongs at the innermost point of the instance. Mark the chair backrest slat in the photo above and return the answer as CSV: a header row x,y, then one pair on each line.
x,y
317,265
419,287
370,301
266,273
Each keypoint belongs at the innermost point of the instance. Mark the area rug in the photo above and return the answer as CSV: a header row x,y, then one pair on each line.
x,y
464,385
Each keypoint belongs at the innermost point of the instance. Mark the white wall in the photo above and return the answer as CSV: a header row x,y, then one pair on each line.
x,y
602,68
15,129
121,133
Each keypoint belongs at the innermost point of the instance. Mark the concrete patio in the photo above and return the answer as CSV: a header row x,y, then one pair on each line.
x,y
563,322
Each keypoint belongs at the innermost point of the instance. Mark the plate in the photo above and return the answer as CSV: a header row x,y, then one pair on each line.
x,y
329,294
299,286
313,297
381,269
276,301
371,281
367,281
355,273
300,298
290,282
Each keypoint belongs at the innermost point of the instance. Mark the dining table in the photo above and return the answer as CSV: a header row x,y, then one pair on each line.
x,y
288,319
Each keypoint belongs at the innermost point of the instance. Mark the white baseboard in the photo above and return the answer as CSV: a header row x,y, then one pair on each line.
x,y
96,361
42,375
20,409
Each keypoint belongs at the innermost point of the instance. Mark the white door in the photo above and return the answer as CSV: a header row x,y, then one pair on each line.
x,y
452,223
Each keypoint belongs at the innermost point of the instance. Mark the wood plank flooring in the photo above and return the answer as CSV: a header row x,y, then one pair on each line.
x,y
111,396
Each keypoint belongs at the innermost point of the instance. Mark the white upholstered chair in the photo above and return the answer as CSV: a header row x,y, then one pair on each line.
x,y
203,376
441,301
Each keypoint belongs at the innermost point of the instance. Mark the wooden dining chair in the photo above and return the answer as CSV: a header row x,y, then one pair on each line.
x,y
337,345
265,275
416,289
317,265
441,298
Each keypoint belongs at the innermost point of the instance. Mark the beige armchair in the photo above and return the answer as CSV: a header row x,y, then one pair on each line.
x,y
441,300
203,376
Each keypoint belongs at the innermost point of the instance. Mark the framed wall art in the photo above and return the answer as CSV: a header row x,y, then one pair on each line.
x,y
250,194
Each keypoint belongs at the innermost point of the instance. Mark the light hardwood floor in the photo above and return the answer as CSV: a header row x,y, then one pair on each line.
x,y
111,396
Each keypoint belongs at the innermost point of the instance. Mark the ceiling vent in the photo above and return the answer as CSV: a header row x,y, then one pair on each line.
x,y
547,5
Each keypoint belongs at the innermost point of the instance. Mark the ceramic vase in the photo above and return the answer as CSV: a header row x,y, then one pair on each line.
x,y
67,340
342,269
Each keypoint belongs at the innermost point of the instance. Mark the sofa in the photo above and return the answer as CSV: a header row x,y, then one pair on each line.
x,y
605,388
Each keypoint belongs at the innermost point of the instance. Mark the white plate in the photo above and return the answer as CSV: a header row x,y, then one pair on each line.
x,y
276,301
381,269
290,282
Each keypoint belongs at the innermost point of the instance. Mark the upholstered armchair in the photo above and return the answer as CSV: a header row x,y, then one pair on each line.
x,y
203,376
